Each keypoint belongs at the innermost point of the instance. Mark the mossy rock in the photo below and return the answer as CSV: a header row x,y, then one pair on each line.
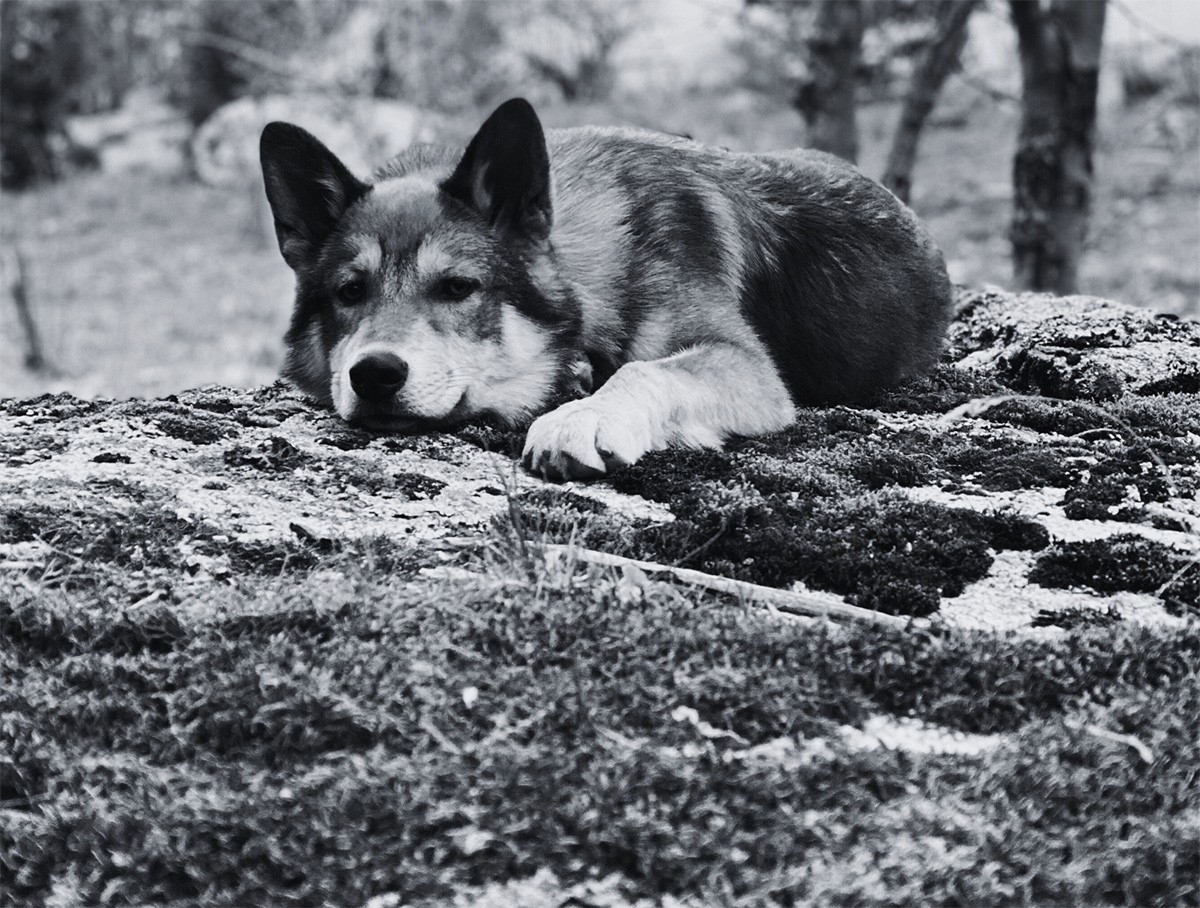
x,y
920,497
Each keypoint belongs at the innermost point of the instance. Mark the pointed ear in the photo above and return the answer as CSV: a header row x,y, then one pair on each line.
x,y
505,173
308,188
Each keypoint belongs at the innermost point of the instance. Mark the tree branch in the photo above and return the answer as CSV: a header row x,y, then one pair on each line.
x,y
940,58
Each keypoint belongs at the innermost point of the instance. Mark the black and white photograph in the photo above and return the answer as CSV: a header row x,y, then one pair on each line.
x,y
599,453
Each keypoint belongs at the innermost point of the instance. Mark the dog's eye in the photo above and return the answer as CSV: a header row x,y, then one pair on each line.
x,y
352,291
456,288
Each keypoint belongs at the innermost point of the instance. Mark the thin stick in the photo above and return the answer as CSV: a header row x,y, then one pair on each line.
x,y
784,600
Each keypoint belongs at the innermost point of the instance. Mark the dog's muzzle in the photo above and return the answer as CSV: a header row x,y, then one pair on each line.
x,y
378,376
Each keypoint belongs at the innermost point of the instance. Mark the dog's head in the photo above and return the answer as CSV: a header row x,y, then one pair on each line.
x,y
430,296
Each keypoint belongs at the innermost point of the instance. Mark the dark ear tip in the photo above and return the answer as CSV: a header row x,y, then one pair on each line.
x,y
515,104
518,109
276,130
278,134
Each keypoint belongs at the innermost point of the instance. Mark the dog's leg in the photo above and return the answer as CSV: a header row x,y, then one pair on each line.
x,y
695,398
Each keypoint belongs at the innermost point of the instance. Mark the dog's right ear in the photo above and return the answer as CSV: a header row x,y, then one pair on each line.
x,y
308,188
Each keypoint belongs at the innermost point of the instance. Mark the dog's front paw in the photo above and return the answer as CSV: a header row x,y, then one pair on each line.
x,y
584,440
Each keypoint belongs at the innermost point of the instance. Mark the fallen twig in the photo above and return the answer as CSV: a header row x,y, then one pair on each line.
x,y
783,600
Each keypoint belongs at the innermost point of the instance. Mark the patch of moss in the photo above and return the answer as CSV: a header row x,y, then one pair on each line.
x,y
26,627
1071,618
939,391
1068,375
214,403
276,716
881,552
1182,383
154,630
1008,531
275,455
22,449
665,475
112,488
347,439
1123,562
346,743
849,453
793,507
563,516
273,557
150,410
1007,464
20,524
1182,597
143,536
819,474
891,468
347,473
56,407
813,428
1164,416
542,498
276,557
494,438
1049,415
416,486
1100,498
1105,493
662,475
197,429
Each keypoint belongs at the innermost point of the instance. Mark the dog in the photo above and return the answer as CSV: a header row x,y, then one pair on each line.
x,y
703,293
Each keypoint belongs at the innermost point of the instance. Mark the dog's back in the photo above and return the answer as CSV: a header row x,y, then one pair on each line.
x,y
836,277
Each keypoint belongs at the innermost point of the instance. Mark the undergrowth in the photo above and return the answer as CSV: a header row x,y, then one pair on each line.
x,y
421,742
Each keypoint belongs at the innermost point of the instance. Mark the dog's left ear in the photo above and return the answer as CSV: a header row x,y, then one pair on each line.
x,y
505,173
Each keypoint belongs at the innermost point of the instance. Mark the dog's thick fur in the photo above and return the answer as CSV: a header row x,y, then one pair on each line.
x,y
709,292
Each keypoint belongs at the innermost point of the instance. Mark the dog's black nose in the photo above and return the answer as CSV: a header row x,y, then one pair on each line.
x,y
378,376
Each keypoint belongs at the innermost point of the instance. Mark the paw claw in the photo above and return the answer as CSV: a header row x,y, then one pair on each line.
x,y
565,444
612,460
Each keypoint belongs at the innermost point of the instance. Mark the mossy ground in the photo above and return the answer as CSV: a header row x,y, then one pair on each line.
x,y
311,748
822,503
189,715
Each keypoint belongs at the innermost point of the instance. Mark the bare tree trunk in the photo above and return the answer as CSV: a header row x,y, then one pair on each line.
x,y
1052,170
939,59
827,100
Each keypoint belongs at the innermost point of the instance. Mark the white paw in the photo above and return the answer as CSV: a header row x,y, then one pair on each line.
x,y
584,439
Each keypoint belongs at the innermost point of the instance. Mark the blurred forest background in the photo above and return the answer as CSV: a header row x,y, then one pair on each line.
x,y
135,242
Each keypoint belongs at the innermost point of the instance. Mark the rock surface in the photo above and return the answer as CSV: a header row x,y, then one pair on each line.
x,y
1075,347
943,500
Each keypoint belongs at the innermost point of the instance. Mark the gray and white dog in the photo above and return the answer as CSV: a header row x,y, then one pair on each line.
x,y
709,292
